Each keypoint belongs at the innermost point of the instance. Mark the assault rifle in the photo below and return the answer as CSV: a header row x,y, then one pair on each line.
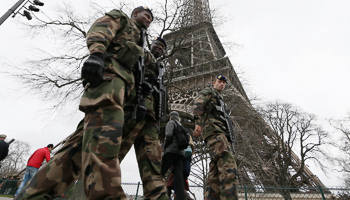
x,y
160,94
224,116
141,86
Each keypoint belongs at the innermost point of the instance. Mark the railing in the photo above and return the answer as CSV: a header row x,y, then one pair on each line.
x,y
134,191
8,187
182,107
200,69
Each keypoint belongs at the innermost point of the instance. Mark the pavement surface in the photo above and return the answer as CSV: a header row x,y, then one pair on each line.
x,y
5,198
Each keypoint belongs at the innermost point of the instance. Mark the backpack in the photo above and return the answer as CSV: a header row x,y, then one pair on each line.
x,y
182,136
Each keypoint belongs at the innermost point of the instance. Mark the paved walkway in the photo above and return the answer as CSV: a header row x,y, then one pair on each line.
x,y
5,198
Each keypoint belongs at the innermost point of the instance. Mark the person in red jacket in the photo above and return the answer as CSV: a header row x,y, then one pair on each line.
x,y
34,163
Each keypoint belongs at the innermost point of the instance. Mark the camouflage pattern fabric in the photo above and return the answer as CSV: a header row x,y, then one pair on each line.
x,y
144,137
130,135
150,63
202,108
222,178
94,151
59,173
116,34
102,139
151,72
104,105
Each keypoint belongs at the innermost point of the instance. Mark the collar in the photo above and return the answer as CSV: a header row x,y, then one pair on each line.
x,y
217,92
137,24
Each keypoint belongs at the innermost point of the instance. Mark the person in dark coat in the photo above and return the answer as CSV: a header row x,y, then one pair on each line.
x,y
173,155
4,147
186,167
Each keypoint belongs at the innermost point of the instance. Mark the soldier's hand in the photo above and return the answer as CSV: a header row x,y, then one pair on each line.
x,y
147,89
93,70
197,131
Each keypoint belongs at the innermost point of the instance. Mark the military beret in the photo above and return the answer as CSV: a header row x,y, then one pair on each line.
x,y
145,8
174,113
3,136
160,40
221,77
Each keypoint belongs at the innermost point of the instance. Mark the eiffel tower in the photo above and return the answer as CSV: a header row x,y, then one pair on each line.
x,y
200,56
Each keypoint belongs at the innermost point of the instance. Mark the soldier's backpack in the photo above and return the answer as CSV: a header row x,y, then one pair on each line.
x,y
182,136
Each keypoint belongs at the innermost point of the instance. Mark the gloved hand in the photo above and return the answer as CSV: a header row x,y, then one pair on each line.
x,y
146,89
93,69
141,110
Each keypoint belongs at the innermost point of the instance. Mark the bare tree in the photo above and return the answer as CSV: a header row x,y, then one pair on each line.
x,y
56,74
54,71
342,159
16,159
199,165
292,130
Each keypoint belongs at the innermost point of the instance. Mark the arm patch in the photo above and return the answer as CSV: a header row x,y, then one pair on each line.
x,y
206,91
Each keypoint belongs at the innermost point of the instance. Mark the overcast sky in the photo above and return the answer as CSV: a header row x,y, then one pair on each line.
x,y
293,51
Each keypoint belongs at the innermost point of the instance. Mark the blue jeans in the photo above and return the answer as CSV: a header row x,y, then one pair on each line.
x,y
30,172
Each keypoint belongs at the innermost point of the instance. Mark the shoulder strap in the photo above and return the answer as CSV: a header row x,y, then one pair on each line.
x,y
177,124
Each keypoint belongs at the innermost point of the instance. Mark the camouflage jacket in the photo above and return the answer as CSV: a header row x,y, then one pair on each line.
x,y
151,70
113,33
117,37
202,111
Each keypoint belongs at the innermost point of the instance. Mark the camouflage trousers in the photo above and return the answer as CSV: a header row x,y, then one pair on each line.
x,y
222,178
144,137
92,150
103,127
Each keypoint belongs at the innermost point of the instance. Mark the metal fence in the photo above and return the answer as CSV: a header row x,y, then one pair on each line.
x,y
266,193
245,192
8,187
134,191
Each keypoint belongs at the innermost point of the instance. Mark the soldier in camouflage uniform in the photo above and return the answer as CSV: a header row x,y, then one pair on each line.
x,y
222,178
109,84
144,135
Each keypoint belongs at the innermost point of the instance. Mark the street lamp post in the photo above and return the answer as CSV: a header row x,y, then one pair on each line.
x,y
26,13
10,11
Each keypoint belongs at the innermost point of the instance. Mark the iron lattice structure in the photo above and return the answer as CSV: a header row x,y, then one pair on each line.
x,y
199,56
